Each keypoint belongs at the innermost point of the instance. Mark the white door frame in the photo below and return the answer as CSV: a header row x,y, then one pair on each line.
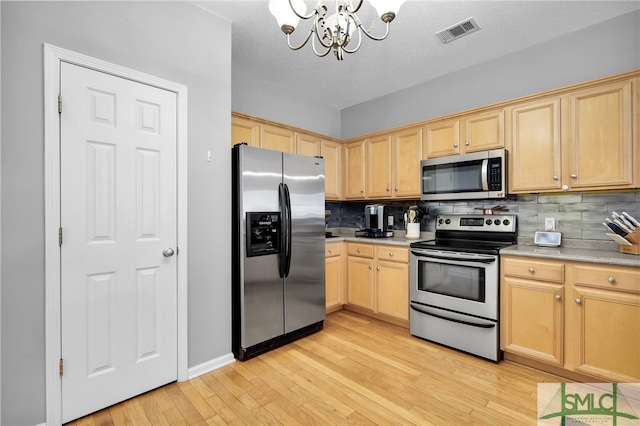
x,y
53,56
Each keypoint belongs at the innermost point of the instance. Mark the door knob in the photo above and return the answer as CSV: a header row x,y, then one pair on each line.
x,y
168,252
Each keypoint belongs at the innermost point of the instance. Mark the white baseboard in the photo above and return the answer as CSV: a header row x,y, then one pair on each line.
x,y
211,365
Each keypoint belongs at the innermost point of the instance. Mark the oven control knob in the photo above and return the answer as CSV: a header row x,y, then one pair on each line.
x,y
506,222
496,222
488,222
440,221
448,221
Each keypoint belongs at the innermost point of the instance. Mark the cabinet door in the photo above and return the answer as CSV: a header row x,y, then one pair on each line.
x,y
599,152
307,145
483,131
243,130
378,161
392,289
532,319
441,139
360,282
405,166
606,323
332,153
277,138
534,146
334,283
354,170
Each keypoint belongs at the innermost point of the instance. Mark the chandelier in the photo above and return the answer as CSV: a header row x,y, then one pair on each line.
x,y
336,31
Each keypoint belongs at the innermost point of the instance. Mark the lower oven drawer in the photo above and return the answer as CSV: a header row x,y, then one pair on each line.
x,y
469,334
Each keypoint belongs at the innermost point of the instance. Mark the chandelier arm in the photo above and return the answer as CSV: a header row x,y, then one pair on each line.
x,y
301,45
358,45
320,54
314,12
356,9
372,37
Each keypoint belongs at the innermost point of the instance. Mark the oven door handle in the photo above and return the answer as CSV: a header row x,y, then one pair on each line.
x,y
473,324
461,258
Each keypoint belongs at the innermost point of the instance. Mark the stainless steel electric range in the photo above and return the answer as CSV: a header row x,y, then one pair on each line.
x,y
454,296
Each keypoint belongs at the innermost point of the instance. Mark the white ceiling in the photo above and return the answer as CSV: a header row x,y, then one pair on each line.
x,y
412,54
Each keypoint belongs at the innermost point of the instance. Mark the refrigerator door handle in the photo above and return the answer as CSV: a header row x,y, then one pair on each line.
x,y
288,233
282,255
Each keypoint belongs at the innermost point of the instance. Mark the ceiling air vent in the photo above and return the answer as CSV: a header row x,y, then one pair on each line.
x,y
458,30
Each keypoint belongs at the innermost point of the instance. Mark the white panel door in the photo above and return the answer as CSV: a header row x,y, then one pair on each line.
x,y
118,216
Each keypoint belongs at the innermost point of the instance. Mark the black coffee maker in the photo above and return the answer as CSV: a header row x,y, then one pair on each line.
x,y
375,222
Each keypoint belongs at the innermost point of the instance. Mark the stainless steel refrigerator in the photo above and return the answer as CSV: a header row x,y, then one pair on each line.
x,y
278,240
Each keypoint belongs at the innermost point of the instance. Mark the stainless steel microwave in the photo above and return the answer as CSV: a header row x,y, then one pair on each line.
x,y
474,176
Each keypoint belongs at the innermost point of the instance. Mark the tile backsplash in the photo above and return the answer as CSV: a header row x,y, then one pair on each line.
x,y
578,215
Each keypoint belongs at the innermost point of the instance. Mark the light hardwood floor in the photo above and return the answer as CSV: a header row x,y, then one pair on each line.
x,y
358,370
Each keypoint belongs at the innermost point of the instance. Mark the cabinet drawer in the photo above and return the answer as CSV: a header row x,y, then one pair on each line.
x,y
395,254
332,249
361,250
608,277
534,269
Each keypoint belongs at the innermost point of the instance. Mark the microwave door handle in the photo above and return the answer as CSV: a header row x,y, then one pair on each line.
x,y
485,174
473,324
461,258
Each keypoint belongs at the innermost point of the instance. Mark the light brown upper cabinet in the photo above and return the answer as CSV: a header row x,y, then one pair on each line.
x,y
243,130
378,164
598,137
332,153
470,133
534,155
405,162
307,144
354,170
575,142
277,138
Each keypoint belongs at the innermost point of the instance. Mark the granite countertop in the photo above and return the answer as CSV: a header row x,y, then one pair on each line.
x,y
594,253
610,257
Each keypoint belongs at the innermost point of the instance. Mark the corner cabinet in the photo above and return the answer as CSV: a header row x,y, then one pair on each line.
x,y
332,153
577,319
354,170
579,141
378,281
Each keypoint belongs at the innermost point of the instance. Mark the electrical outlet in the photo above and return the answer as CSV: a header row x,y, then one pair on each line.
x,y
390,220
549,224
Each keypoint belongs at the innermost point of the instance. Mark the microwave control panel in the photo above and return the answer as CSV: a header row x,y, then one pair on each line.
x,y
263,233
495,174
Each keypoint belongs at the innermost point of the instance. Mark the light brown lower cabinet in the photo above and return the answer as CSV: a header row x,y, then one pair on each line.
x,y
334,273
582,320
378,281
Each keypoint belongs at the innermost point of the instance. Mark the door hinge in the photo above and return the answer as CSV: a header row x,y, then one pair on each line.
x,y
60,236
61,367
60,104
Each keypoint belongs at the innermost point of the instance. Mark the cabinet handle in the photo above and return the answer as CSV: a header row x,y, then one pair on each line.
x,y
455,145
358,250
574,176
388,189
370,267
558,297
330,251
532,270
362,191
578,301
556,178
378,269
565,187
390,254
612,280
467,143
396,188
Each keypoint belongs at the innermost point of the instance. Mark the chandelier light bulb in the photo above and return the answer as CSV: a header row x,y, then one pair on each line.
x,y
286,17
387,9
